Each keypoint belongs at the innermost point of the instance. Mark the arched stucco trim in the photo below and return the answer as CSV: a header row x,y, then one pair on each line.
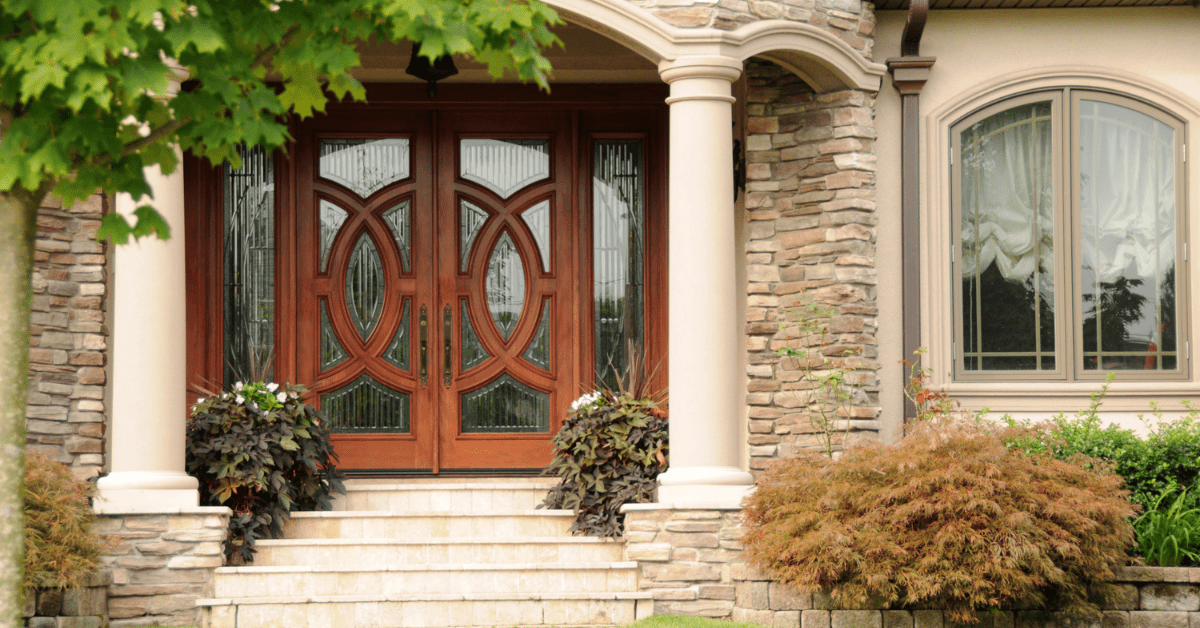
x,y
821,59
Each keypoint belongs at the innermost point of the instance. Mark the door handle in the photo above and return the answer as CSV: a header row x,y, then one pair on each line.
x,y
447,360
424,348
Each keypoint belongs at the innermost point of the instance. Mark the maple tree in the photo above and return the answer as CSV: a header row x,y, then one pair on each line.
x,y
87,104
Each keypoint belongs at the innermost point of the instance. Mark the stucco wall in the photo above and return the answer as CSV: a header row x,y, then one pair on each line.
x,y
1147,52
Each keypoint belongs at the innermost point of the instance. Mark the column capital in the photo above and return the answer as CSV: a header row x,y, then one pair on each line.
x,y
700,67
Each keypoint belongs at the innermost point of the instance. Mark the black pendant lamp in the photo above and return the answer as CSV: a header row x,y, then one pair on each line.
x,y
420,67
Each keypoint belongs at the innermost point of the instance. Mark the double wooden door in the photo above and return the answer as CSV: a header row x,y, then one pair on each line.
x,y
435,281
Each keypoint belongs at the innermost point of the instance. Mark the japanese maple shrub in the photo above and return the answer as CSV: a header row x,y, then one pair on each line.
x,y
60,543
950,517
263,452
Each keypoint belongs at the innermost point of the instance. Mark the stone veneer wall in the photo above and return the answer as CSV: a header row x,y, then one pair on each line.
x,y
692,563
852,21
68,337
810,211
85,607
161,563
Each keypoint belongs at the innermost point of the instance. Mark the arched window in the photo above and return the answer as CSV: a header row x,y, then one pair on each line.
x,y
1068,235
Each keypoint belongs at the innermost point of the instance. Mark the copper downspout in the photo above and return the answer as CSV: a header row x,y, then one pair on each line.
x,y
909,72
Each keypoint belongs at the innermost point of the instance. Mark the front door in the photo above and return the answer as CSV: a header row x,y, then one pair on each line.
x,y
436,283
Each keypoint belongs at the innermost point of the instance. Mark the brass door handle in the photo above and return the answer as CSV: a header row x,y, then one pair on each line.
x,y
424,350
447,360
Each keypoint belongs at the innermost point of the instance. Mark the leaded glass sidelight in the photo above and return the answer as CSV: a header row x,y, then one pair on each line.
x,y
1127,238
365,405
470,221
397,352
398,220
473,352
538,220
332,218
365,284
332,352
505,405
249,261
504,166
618,253
1008,241
538,352
505,285
364,165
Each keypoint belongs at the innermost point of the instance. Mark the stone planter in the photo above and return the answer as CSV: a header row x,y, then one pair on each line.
x,y
85,607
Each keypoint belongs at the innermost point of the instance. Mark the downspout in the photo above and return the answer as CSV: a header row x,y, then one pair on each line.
x,y
909,72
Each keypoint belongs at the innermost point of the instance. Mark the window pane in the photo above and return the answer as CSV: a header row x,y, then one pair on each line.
x,y
249,222
618,246
1127,238
364,166
1008,241
365,285
505,405
505,286
365,405
504,166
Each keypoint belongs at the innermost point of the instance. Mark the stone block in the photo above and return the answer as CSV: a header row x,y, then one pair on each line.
x,y
753,595
785,598
927,619
753,617
681,572
171,604
786,619
86,601
742,571
856,619
29,603
648,551
814,619
42,622
90,621
1115,619
1158,619
718,592
49,602
1124,598
126,607
195,562
1170,597
683,594
699,608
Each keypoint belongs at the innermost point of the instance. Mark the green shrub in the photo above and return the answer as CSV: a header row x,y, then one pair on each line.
x,y
263,452
609,452
948,517
60,544
1169,535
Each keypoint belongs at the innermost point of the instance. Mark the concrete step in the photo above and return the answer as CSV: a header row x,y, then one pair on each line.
x,y
425,525
382,553
428,610
443,496
237,582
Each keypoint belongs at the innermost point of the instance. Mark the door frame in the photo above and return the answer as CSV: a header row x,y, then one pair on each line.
x,y
595,112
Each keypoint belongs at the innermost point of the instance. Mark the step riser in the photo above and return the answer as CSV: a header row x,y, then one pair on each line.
x,y
435,554
464,500
426,527
408,583
430,614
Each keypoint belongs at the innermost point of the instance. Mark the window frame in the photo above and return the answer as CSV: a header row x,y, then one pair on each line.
x,y
1066,195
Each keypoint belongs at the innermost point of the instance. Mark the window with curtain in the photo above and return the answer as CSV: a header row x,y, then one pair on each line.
x,y
1067,229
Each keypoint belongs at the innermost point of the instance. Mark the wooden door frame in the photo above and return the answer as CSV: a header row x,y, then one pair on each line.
x,y
596,111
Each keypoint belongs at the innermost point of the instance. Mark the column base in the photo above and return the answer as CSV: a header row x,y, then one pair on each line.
x,y
146,492
704,487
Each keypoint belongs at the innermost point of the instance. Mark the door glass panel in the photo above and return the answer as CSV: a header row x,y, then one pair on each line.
x,y
332,219
364,286
504,166
332,352
397,352
505,405
473,352
249,220
538,219
397,219
1008,241
1127,238
364,166
505,285
365,405
538,352
618,253
471,219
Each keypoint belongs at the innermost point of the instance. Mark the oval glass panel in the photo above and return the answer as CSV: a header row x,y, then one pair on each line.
x,y
364,286
397,219
332,219
505,405
364,165
504,166
505,285
365,405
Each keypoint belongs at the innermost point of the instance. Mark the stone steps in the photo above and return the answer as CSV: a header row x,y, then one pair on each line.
x,y
431,554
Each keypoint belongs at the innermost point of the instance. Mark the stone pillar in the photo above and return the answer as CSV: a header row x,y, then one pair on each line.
x,y
706,385
149,369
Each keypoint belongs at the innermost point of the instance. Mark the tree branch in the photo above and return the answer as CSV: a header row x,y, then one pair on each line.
x,y
270,51
138,144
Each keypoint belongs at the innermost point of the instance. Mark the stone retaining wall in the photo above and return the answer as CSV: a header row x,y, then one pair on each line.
x,y
68,337
85,607
161,563
692,563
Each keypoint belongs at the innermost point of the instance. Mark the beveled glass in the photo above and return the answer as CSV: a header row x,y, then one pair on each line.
x,y
538,220
471,219
249,263
365,286
332,218
538,352
398,351
505,405
472,352
366,405
504,166
618,253
397,219
332,352
505,285
365,166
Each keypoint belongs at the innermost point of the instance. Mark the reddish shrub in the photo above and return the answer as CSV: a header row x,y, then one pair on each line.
x,y
948,518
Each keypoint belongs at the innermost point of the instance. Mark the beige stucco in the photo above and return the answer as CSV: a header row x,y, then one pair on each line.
x,y
983,56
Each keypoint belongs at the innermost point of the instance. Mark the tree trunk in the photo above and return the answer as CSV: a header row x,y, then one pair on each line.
x,y
18,228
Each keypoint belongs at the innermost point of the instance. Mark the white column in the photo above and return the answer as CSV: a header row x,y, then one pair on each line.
x,y
705,334
149,369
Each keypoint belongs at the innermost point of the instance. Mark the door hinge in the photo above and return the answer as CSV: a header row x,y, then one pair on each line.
x,y
951,156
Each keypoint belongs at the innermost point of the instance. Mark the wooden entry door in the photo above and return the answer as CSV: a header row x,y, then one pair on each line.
x,y
436,281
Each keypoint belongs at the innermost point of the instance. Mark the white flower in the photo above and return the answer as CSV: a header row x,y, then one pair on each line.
x,y
282,397
272,387
200,401
238,386
240,399
585,401
294,395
